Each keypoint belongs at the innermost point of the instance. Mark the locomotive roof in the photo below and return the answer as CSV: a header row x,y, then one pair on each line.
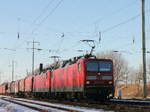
x,y
64,63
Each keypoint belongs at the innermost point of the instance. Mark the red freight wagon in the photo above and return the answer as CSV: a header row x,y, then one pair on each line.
x,y
16,87
1,90
12,87
4,88
42,83
9,88
22,85
29,84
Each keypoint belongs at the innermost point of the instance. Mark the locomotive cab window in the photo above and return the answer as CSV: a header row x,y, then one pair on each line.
x,y
105,66
92,66
99,66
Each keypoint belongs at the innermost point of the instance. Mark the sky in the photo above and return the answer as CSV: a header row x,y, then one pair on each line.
x,y
59,25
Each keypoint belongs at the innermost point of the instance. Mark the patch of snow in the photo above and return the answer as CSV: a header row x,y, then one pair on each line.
x,y
84,109
10,107
41,107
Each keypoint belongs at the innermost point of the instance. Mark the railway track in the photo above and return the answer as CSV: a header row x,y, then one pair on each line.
x,y
131,101
38,106
130,105
118,105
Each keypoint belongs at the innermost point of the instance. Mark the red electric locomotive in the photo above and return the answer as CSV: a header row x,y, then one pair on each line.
x,y
87,77
28,86
21,87
99,78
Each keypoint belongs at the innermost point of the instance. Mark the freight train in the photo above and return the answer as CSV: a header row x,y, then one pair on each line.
x,y
83,78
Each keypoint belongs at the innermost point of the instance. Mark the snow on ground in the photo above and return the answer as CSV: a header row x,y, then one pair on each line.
x,y
42,107
10,107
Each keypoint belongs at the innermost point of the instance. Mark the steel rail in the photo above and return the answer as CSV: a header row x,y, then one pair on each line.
x,y
131,102
46,105
25,105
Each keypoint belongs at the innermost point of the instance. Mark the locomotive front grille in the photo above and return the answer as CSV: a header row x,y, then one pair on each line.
x,y
98,89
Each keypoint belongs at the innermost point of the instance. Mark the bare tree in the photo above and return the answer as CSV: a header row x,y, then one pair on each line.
x,y
121,69
148,69
139,74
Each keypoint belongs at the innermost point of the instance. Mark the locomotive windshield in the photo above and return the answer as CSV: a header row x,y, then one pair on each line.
x,y
99,66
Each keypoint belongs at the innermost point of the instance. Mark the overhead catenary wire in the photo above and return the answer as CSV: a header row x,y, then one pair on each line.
x,y
108,29
34,22
43,11
116,12
45,18
122,23
110,14
119,24
54,9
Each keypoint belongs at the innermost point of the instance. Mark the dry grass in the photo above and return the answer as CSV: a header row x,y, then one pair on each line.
x,y
132,90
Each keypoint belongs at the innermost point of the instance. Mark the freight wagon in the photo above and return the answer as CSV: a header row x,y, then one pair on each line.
x,y
42,85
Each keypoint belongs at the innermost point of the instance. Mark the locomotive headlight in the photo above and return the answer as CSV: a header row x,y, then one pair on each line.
x,y
110,95
87,82
110,82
